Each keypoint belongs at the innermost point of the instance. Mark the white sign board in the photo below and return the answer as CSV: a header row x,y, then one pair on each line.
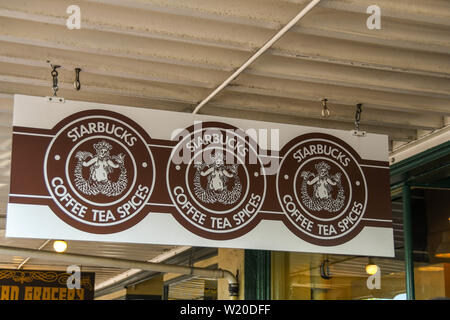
x,y
88,171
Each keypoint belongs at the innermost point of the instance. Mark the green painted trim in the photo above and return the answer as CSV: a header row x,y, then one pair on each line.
x,y
420,159
257,275
443,184
408,241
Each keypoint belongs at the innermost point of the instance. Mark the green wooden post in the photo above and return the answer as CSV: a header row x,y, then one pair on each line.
x,y
408,242
257,275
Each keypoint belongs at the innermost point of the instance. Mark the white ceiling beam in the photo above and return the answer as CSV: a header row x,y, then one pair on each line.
x,y
118,45
338,112
297,46
5,132
5,119
357,77
341,24
394,33
41,87
276,67
103,70
6,105
435,12
265,11
5,179
340,94
131,29
129,85
364,55
394,133
114,86
258,102
4,154
307,108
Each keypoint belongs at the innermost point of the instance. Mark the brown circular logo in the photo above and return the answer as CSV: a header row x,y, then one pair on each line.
x,y
215,180
322,189
99,171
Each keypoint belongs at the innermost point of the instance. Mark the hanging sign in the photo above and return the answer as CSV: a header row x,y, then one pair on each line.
x,y
88,171
45,285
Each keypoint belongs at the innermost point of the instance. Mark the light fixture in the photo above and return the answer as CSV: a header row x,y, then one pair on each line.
x,y
60,245
371,268
443,250
431,268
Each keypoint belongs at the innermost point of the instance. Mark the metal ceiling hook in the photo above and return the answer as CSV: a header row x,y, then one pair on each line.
x,y
358,116
325,270
325,110
77,83
358,132
54,74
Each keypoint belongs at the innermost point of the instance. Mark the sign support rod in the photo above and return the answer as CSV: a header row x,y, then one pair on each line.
x,y
258,53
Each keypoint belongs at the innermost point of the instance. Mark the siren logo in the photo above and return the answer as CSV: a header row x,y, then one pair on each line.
x,y
323,184
99,171
220,190
223,183
322,189
100,166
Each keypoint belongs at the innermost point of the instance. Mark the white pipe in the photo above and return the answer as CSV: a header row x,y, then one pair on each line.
x,y
78,259
28,258
258,53
129,273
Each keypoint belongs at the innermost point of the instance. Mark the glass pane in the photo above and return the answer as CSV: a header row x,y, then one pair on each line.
x,y
338,277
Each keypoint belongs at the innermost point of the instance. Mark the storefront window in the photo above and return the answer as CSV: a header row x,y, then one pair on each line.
x,y
306,276
191,289
336,277
429,280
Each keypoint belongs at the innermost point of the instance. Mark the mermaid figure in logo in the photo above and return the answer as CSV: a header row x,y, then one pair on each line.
x,y
101,164
216,174
323,182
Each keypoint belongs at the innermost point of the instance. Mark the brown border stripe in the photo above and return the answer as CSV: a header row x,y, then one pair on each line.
x,y
267,211
17,129
377,223
374,163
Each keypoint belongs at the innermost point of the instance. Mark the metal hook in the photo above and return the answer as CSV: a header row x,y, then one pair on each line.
x,y
325,270
325,110
77,83
54,74
358,132
358,116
